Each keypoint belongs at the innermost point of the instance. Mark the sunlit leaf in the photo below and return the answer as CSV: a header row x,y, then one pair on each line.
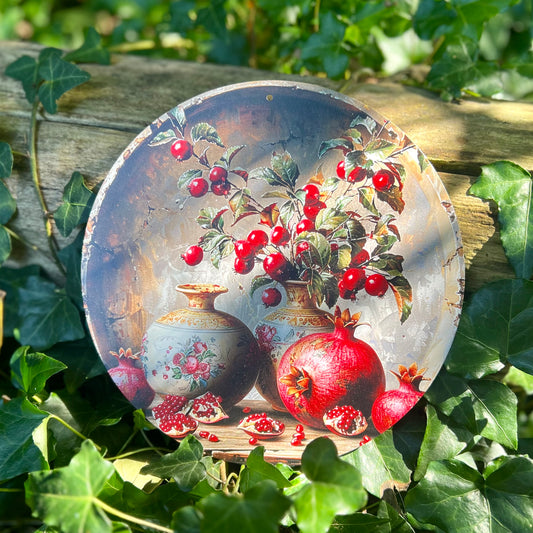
x,y
91,51
163,137
257,470
403,293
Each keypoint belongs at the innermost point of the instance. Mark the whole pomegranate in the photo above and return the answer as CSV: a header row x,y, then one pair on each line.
x,y
323,370
130,379
392,405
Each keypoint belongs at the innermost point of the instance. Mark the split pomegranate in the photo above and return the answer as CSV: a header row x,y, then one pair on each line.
x,y
393,404
171,419
206,409
130,379
345,420
261,426
324,370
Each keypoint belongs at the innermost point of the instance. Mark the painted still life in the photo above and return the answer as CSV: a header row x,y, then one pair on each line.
x,y
270,262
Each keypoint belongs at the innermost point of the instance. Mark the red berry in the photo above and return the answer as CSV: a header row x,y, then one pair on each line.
x,y
257,238
218,174
344,293
198,187
312,192
276,266
334,247
279,235
356,175
221,188
181,150
253,441
383,180
359,258
312,209
193,255
305,225
354,279
271,297
376,285
302,247
244,249
243,266
341,172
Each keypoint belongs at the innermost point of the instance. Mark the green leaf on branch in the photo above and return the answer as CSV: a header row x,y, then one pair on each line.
x,y
8,205
18,452
206,132
335,144
68,497
76,206
496,328
26,70
257,470
184,465
484,407
334,488
511,187
91,51
286,168
31,370
6,160
403,293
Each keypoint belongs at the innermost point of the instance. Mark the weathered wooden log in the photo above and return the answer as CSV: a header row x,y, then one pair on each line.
x,y
98,119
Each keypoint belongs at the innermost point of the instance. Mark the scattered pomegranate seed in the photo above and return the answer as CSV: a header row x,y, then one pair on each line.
x,y
204,434
252,441
298,435
296,442
212,438
299,428
246,409
365,439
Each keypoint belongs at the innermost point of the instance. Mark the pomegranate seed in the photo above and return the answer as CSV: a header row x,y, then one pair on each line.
x,y
246,409
299,428
296,442
298,435
212,438
204,434
365,439
252,441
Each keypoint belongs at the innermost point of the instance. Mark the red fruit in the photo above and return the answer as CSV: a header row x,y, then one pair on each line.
x,y
341,172
312,209
356,175
376,285
345,420
279,235
198,187
360,258
302,247
276,266
383,180
392,405
344,293
221,188
181,150
170,405
243,266
218,174
193,255
130,379
271,297
244,249
206,409
257,238
261,426
354,279
312,192
305,225
323,370
253,441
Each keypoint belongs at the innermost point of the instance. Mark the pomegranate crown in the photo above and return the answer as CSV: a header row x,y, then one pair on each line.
x,y
411,375
127,354
343,319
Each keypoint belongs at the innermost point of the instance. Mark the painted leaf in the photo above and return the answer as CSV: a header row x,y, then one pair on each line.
x,y
68,497
91,51
185,179
404,296
184,465
364,120
269,215
206,132
31,370
379,149
496,328
330,219
320,248
8,205
179,115
511,187
26,70
267,174
59,77
211,217
315,285
76,206
355,158
163,137
366,197
258,282
242,205
286,168
229,154
6,160
393,197
334,144
331,289
390,264
18,452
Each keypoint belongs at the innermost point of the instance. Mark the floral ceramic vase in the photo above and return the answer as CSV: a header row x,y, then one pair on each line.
x,y
191,351
282,328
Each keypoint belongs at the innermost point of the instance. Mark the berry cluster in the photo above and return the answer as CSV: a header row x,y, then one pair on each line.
x,y
382,180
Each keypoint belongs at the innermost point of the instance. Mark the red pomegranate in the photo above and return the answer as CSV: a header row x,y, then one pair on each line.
x,y
323,370
130,379
392,405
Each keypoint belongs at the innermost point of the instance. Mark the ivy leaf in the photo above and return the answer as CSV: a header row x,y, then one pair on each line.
x,y
6,160
496,328
68,497
59,77
259,510
76,206
381,464
70,257
18,452
206,132
484,407
46,315
184,465
403,293
257,470
335,488
91,51
31,370
8,205
510,186
5,244
26,70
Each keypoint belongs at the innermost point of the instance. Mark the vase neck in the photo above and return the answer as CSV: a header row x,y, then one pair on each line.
x,y
201,295
298,295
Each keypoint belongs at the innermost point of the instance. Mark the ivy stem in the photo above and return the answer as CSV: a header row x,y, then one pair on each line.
x,y
74,430
130,518
134,452
22,239
37,184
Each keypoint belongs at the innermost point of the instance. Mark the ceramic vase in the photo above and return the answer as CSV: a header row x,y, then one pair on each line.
x,y
280,329
197,349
